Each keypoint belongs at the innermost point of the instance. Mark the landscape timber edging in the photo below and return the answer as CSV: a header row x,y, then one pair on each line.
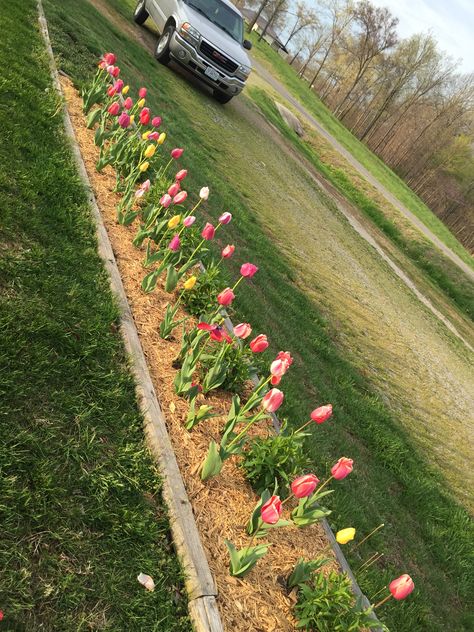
x,y
200,584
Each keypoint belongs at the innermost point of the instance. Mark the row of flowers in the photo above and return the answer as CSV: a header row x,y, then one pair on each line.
x,y
176,243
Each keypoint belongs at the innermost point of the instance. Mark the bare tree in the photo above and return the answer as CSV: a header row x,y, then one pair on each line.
x,y
258,13
276,8
304,18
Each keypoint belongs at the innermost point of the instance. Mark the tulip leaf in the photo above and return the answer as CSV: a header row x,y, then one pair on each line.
x,y
171,279
93,118
212,464
149,281
215,376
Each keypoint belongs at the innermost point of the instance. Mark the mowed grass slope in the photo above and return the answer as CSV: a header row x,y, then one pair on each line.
x,y
299,89
80,501
395,481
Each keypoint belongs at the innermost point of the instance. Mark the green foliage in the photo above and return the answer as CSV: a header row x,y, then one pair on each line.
x,y
277,458
202,298
242,562
304,570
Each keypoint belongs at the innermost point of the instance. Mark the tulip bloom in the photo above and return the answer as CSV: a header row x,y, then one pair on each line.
x,y
114,108
161,138
189,221
225,218
180,197
156,121
345,535
132,118
272,510
174,221
242,331
125,89
142,93
175,243
342,468
272,400
177,153
319,415
144,166
248,270
150,151
145,116
144,188
228,251
208,232
216,332
141,103
115,72
226,297
111,91
181,175
153,135
278,368
304,486
118,85
128,103
124,120
190,283
174,188
259,344
110,58
204,193
166,200
401,587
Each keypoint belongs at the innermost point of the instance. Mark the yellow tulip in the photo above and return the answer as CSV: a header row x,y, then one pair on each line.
x,y
149,151
144,166
345,535
161,138
190,283
145,135
174,221
141,103
132,118
125,89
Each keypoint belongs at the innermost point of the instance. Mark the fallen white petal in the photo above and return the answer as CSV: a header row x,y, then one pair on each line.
x,y
147,581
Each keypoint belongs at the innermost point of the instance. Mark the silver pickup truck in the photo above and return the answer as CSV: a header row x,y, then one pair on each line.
x,y
205,36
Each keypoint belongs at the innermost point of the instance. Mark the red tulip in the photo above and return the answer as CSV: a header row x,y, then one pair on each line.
x,y
319,415
180,197
111,91
124,120
219,334
114,108
206,326
259,344
1,615
153,135
248,270
174,188
128,103
208,232
142,93
226,297
272,400
181,175
110,58
272,510
145,116
243,330
166,200
225,218
228,251
115,72
177,153
401,587
118,85
342,468
156,121
304,486
175,243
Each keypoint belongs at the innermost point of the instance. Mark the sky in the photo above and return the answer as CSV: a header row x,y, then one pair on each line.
x,y
450,21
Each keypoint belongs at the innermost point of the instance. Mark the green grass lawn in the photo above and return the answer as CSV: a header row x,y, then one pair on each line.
x,y
427,533
80,499
299,89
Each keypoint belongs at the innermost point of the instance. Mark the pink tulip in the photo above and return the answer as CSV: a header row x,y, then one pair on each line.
x,y
180,197
114,108
166,200
124,120
342,468
142,93
153,136
115,72
285,356
278,368
111,91
304,486
156,121
175,243
110,58
243,330
118,85
402,586
102,64
226,297
174,188
228,251
110,69
225,218
181,175
248,270
319,415
189,221
145,116
259,344
272,510
143,189
128,103
272,400
204,193
177,153
208,232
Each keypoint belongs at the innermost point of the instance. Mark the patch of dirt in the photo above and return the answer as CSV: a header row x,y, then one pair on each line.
x,y
223,505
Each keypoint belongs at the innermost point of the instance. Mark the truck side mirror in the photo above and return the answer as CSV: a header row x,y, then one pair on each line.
x,y
247,44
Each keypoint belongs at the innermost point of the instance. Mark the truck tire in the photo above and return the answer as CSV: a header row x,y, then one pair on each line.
x,y
140,14
221,97
162,52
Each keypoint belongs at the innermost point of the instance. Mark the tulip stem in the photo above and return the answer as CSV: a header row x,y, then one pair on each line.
x,y
370,560
376,558
380,603
367,536
253,420
324,484
247,549
378,593
303,426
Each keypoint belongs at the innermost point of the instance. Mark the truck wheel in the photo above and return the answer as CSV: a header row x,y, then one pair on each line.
x,y
221,97
140,14
162,52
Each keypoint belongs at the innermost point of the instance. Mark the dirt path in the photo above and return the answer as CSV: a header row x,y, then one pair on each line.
x,y
276,85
